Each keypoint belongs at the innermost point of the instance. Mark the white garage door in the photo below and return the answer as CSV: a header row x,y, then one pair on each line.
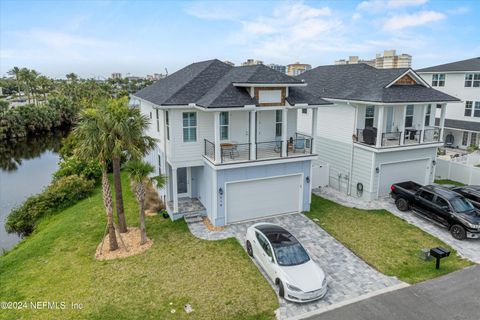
x,y
403,171
259,198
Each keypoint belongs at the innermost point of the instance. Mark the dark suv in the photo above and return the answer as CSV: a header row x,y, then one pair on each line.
x,y
440,205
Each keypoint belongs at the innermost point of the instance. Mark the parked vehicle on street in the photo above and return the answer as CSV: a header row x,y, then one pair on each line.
x,y
439,205
286,262
472,193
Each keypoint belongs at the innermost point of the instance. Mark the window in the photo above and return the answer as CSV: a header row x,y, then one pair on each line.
x,y
409,116
442,203
428,114
189,126
439,106
468,108
465,138
159,165
426,196
304,111
369,116
167,124
224,121
438,80
278,123
473,139
476,112
264,244
472,80
158,120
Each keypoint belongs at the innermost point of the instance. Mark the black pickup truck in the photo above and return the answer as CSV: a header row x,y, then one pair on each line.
x,y
439,205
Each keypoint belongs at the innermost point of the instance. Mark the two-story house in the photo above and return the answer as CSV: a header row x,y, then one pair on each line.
x,y
460,79
380,129
228,141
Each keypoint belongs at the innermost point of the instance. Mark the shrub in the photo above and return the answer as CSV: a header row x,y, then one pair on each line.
x,y
62,193
75,166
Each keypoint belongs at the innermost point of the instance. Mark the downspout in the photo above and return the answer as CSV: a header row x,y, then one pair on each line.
x,y
349,189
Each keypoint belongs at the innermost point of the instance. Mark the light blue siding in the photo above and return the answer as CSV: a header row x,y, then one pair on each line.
x,y
258,172
202,186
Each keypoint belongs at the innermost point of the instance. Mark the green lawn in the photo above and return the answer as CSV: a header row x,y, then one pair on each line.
x,y
386,242
57,264
446,181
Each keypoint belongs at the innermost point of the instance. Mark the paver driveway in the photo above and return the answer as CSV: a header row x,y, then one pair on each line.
x,y
468,248
348,276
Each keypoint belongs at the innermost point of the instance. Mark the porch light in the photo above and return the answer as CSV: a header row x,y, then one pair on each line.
x,y
308,179
377,169
220,191
434,162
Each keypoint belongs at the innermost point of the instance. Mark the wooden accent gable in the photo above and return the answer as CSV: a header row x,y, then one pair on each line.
x,y
283,92
405,80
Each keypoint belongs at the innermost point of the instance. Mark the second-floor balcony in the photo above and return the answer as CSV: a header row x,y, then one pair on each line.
x,y
394,126
232,151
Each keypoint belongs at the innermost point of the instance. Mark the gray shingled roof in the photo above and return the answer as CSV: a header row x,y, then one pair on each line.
x,y
460,124
463,65
362,82
210,84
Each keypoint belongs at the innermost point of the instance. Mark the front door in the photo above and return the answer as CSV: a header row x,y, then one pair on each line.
x,y
183,182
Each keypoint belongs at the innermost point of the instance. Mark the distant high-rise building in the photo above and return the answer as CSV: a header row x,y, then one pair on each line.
x,y
230,63
116,75
251,62
389,60
278,67
294,69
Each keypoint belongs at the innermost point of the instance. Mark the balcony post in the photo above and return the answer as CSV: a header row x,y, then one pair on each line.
x,y
216,141
402,127
424,113
380,114
314,128
442,120
284,132
175,189
252,135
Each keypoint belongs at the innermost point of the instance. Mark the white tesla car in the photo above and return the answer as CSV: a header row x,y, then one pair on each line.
x,y
286,262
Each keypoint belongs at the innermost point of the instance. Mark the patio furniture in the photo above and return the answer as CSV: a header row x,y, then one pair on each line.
x,y
299,144
229,149
278,144
370,135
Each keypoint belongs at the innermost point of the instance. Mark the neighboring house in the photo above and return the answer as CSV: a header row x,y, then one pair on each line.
x,y
228,141
462,80
380,130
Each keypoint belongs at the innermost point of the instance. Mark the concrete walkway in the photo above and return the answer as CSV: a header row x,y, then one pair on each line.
x,y
454,296
468,248
348,276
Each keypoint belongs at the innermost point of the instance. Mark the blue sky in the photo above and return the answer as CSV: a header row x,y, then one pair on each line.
x,y
96,38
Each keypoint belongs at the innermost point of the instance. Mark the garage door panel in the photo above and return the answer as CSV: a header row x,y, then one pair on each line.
x,y
258,198
403,171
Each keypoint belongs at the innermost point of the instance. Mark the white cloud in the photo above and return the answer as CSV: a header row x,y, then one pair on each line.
x,y
459,10
58,39
399,22
381,5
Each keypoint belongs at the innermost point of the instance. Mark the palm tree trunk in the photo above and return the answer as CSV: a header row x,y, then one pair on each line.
x,y
107,201
117,183
141,202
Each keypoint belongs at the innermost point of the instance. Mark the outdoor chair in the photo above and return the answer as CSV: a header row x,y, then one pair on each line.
x,y
370,135
299,145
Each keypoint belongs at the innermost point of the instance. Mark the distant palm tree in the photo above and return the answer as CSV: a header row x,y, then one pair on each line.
x,y
16,72
92,136
128,138
139,173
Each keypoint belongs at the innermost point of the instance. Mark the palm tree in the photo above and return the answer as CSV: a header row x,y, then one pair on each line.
x,y
128,138
139,173
17,74
92,135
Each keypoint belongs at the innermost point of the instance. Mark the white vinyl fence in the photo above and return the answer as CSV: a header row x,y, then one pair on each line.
x,y
320,175
455,171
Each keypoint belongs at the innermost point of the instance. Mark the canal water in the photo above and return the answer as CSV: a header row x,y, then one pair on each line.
x,y
26,167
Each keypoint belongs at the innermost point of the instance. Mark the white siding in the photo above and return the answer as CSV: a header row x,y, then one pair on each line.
x,y
336,122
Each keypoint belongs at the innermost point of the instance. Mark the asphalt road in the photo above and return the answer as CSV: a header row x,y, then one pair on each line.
x,y
455,296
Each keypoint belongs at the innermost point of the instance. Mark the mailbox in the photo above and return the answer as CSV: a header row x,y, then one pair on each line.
x,y
439,253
